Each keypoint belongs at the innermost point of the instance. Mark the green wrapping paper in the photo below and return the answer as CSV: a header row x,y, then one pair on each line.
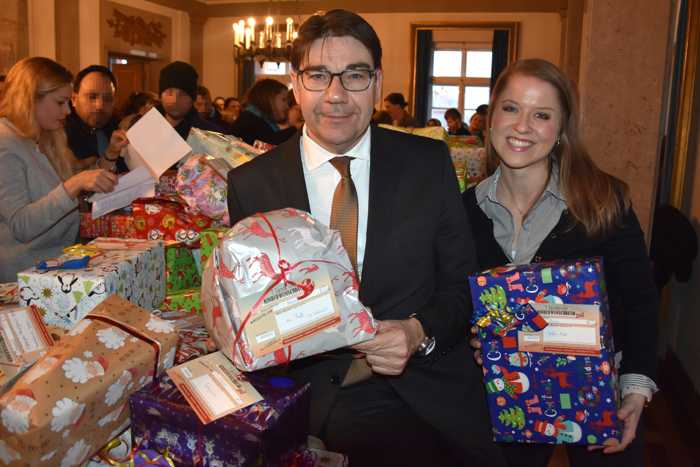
x,y
209,239
184,300
181,271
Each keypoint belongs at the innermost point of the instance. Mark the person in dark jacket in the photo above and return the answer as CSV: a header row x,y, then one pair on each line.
x,y
177,87
455,124
265,106
91,127
547,200
395,105
206,108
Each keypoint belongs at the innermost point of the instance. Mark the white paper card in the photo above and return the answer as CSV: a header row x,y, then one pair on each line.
x,y
138,183
156,142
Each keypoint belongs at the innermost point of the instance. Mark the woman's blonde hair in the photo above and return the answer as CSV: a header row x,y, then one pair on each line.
x,y
597,200
28,81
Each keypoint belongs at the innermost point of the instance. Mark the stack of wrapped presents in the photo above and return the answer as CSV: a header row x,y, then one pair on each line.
x,y
108,353
163,337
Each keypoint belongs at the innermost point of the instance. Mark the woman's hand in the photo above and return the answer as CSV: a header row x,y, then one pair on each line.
x,y
476,345
629,413
98,181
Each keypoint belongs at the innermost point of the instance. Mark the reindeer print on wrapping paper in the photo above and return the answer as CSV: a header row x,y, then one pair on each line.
x,y
587,294
255,229
265,267
364,323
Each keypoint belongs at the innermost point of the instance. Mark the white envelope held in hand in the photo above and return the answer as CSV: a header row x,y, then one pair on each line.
x,y
154,143
139,183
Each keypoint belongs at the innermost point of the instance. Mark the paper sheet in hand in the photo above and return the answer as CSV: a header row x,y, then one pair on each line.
x,y
156,143
139,183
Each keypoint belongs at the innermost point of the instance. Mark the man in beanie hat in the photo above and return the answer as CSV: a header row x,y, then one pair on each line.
x,y
395,105
177,88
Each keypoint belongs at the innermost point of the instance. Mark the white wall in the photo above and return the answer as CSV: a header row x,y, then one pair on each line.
x,y
540,36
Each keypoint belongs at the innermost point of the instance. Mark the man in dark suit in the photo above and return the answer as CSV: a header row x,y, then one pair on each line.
x,y
423,402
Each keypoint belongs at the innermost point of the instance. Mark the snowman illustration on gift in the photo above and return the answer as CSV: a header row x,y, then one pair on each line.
x,y
565,431
512,383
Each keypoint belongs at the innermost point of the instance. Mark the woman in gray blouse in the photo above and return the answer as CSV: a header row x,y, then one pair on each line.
x,y
38,191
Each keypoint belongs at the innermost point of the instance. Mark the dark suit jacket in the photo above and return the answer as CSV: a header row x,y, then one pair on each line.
x,y
417,258
632,296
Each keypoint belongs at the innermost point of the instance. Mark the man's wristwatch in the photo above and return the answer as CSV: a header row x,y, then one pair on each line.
x,y
427,345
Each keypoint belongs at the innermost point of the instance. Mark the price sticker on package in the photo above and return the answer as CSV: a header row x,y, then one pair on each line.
x,y
571,330
291,312
213,386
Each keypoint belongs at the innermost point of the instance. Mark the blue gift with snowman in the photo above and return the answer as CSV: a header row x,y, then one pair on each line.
x,y
547,346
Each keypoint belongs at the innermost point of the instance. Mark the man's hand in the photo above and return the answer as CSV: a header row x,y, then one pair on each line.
x,y
629,414
117,142
396,340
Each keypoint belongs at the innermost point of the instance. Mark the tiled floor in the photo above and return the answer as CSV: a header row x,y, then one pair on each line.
x,y
668,442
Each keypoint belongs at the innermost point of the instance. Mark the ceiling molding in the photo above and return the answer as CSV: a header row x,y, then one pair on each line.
x,y
386,6
224,8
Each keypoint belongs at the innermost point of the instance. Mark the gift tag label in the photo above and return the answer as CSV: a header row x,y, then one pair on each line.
x,y
213,386
23,336
571,330
291,312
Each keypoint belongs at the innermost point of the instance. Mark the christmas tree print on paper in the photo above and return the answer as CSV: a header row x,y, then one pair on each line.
x,y
513,417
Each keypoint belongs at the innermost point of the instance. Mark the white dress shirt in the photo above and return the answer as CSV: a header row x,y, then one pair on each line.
x,y
322,178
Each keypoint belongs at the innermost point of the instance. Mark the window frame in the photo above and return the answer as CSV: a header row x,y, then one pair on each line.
x,y
463,80
513,29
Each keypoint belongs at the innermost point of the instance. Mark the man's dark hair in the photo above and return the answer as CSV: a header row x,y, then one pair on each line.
x,y
482,110
453,113
262,93
396,98
335,23
137,100
203,91
103,70
229,100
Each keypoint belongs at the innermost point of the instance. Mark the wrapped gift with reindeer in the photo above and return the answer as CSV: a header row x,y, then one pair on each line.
x,y
279,287
74,399
547,352
67,288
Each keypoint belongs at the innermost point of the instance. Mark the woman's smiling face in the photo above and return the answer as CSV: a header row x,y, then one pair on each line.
x,y
526,122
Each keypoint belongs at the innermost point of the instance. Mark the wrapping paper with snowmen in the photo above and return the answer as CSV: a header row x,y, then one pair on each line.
x,y
278,287
547,352
75,398
134,269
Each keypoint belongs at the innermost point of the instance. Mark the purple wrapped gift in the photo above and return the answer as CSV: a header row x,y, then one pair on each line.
x,y
261,434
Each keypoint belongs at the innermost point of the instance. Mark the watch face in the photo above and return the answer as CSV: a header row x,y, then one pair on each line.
x,y
425,347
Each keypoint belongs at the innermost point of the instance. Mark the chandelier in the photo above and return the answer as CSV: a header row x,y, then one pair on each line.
x,y
263,41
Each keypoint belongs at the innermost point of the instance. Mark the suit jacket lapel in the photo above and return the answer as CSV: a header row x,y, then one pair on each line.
x,y
291,174
383,180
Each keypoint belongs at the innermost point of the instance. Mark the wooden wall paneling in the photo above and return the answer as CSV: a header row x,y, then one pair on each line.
x,y
68,34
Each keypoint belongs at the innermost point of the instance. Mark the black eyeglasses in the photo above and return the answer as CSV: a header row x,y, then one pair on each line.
x,y
351,80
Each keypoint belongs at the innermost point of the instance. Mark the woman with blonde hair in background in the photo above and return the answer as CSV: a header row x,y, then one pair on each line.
x,y
38,188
